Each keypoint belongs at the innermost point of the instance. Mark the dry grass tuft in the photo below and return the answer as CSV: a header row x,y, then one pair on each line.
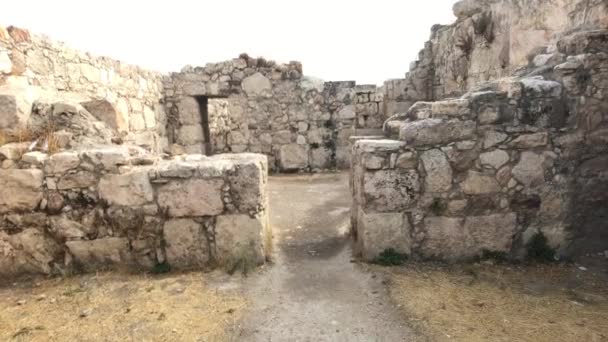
x,y
503,303
45,136
117,307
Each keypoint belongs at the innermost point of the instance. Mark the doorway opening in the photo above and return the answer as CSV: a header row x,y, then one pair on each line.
x,y
203,107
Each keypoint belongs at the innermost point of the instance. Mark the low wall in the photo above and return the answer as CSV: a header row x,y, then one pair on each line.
x,y
460,178
118,207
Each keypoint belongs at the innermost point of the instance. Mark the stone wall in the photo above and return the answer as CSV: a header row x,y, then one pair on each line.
x,y
35,69
489,40
122,207
301,123
486,172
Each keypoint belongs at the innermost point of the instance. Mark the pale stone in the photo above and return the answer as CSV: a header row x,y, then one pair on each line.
x,y
378,232
79,180
65,229
320,158
457,107
347,113
382,145
192,197
256,85
436,131
241,237
110,158
137,122
494,159
493,138
100,253
186,245
293,157
20,190
390,190
61,162
106,112
248,184
372,161
530,169
14,151
130,189
457,206
530,141
35,158
407,160
6,65
438,171
189,111
29,251
191,135
479,184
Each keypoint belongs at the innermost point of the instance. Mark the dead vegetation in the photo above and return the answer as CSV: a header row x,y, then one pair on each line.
x,y
45,137
117,307
503,302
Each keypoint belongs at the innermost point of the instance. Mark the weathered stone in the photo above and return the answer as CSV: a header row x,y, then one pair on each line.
x,y
20,190
61,162
65,229
131,189
530,170
493,138
15,109
109,158
293,157
105,112
347,113
14,151
55,202
378,232
530,141
186,244
29,251
438,171
457,107
436,131
373,161
321,158
35,158
391,190
540,88
256,85
478,184
407,160
79,180
240,237
248,185
192,197
100,253
494,159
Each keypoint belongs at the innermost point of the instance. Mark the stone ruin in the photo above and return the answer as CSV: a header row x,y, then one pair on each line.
x,y
505,137
498,132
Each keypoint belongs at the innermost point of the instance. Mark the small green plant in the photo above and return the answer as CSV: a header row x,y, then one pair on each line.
x,y
539,250
390,257
243,260
494,255
438,206
161,268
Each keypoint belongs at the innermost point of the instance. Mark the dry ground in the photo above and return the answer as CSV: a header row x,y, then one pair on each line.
x,y
118,307
485,302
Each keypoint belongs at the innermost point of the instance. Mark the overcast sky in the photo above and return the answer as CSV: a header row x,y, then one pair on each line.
x,y
367,41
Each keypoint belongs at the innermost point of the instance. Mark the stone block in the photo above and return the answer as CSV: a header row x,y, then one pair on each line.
x,y
256,85
61,162
79,180
192,197
321,158
293,157
15,109
454,108
407,160
530,141
109,158
530,169
390,190
494,159
20,190
130,189
438,171
107,113
14,151
436,131
30,251
479,184
377,232
35,158
186,245
248,184
241,237
100,253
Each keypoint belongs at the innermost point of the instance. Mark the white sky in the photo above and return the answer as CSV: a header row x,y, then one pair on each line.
x,y
367,41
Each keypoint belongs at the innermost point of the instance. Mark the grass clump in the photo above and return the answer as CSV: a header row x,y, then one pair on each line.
x,y
161,268
539,250
390,257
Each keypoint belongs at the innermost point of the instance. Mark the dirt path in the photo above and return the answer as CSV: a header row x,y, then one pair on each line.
x,y
314,292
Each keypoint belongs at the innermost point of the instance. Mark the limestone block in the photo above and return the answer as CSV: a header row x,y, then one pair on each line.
x,y
453,239
436,131
110,158
493,138
137,122
64,229
407,160
130,189
149,117
478,184
382,145
15,109
61,162
186,245
248,184
256,85
293,157
420,111
321,158
373,161
79,180
535,87
35,158
438,171
14,151
530,169
6,65
390,190
20,190
105,112
192,197
347,113
29,251
495,159
100,253
527,141
377,232
241,237
191,135
456,107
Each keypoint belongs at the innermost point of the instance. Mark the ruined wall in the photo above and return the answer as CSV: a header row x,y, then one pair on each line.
x,y
121,207
301,123
34,69
490,39
486,172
